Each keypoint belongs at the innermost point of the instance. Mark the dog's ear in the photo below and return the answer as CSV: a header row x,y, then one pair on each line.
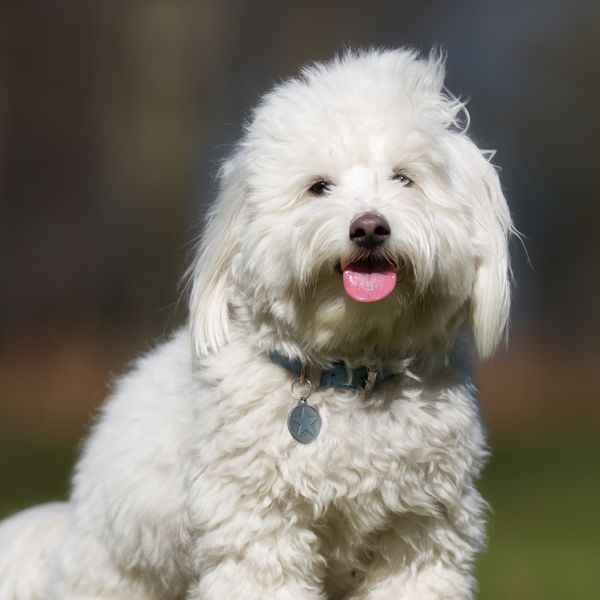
x,y
210,275
490,299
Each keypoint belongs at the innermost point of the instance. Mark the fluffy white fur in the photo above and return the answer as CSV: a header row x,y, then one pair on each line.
x,y
190,486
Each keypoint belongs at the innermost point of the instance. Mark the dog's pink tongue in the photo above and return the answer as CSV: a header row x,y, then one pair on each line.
x,y
368,282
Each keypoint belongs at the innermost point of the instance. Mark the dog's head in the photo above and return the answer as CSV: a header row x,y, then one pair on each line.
x,y
356,216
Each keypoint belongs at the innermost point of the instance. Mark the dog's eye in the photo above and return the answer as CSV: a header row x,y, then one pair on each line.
x,y
318,188
402,178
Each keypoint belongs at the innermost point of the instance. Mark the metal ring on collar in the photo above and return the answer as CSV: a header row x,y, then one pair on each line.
x,y
301,381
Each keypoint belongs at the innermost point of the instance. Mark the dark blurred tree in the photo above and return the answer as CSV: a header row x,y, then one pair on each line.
x,y
556,110
103,106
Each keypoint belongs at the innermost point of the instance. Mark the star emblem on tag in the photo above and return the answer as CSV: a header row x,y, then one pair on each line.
x,y
304,423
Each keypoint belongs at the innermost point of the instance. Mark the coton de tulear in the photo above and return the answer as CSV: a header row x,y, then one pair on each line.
x,y
314,433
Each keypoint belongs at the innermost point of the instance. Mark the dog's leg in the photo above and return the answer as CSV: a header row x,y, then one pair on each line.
x,y
433,581
239,579
427,558
85,570
268,554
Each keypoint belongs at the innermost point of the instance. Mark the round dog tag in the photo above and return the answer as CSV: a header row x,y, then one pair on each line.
x,y
304,423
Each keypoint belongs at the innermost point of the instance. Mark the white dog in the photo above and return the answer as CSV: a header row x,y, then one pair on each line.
x,y
313,437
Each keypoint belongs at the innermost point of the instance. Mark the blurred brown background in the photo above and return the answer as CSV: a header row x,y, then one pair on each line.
x,y
113,116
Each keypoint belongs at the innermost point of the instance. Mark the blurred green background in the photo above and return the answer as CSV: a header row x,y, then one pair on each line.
x,y
113,116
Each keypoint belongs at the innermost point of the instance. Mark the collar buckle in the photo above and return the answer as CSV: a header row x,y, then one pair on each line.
x,y
370,381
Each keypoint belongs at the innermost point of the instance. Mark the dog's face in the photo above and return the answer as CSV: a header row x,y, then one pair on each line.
x,y
356,218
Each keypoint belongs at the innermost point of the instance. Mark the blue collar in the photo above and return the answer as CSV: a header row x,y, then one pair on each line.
x,y
338,375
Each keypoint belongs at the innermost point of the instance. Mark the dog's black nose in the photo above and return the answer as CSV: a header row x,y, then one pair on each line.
x,y
369,230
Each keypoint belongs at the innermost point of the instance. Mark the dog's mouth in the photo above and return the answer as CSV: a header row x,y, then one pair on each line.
x,y
371,278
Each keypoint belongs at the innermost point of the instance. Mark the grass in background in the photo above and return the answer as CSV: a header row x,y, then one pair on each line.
x,y
545,527
32,473
544,530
